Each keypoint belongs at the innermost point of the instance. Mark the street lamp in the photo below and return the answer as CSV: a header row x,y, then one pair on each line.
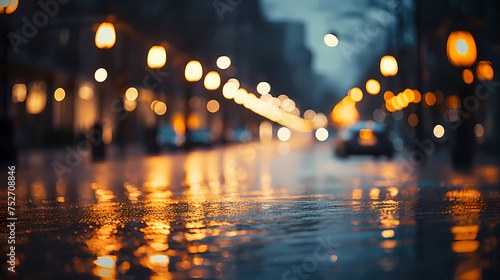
x,y
263,88
388,66
8,6
101,75
193,71
331,40
105,36
461,49
223,62
157,57
212,80
372,86
484,71
356,94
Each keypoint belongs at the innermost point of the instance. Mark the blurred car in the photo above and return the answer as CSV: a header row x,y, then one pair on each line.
x,y
201,137
167,137
364,138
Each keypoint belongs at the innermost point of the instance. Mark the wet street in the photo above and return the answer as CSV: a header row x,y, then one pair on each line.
x,y
277,210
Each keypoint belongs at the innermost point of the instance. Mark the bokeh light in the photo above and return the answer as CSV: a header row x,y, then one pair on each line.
x,y
160,108
484,71
356,94
59,94
430,98
388,66
309,115
263,88
438,131
193,71
19,93
413,120
157,57
105,36
131,94
479,130
453,102
321,134
213,106
86,92
284,134
461,49
372,86
331,40
212,80
467,76
229,90
223,62
101,75
388,95
8,6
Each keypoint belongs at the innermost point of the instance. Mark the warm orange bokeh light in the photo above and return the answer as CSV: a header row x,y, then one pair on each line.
x,y
389,107
430,98
365,134
345,112
213,106
484,71
160,108
409,95
356,94
212,80
388,95
9,7
453,102
105,37
157,57
193,71
468,76
461,49
372,86
388,66
413,120
418,96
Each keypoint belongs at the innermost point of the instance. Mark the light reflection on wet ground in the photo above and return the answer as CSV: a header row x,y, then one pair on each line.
x,y
247,212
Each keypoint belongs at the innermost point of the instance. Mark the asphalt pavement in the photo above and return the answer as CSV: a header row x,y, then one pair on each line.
x,y
254,211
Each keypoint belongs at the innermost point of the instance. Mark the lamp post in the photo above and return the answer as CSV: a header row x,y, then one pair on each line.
x,y
105,38
193,73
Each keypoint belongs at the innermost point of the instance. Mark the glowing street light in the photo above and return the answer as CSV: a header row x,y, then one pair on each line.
x,y
8,6
356,94
229,90
131,94
438,131
159,107
212,80
213,106
101,75
193,71
321,134
484,71
372,86
223,62
461,49
105,37
263,88
388,66
468,76
284,134
157,57
59,94
331,40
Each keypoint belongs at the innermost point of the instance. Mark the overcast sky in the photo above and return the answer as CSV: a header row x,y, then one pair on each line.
x,y
358,25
